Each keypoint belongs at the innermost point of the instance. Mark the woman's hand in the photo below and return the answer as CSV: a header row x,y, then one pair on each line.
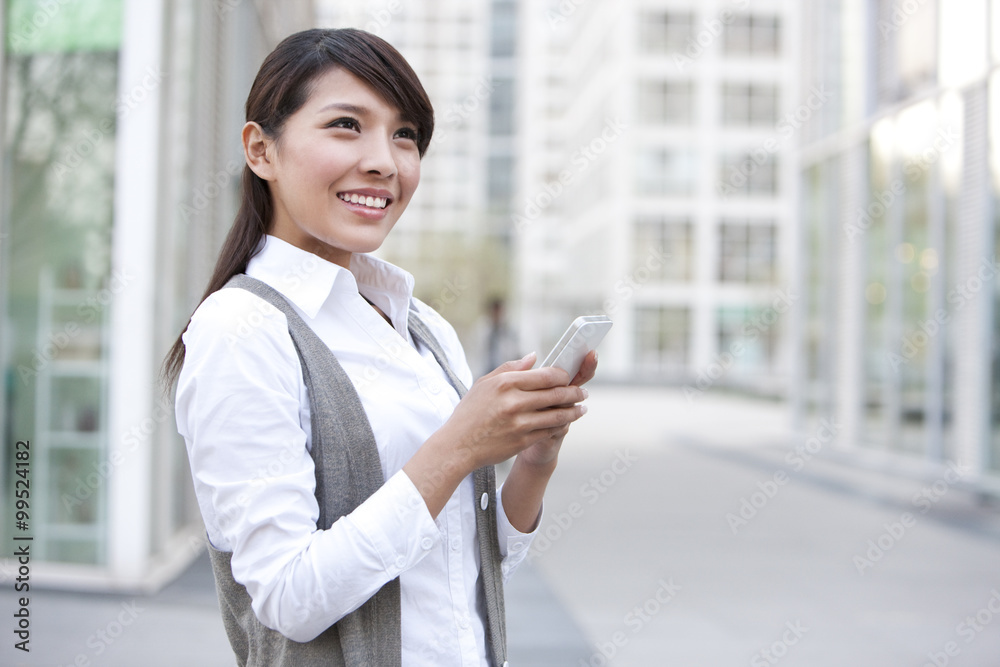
x,y
525,485
504,413
545,451
515,408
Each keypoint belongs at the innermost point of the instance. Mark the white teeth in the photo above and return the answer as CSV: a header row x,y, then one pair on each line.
x,y
373,202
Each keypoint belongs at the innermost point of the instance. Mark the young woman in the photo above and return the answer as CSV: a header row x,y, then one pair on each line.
x,y
318,559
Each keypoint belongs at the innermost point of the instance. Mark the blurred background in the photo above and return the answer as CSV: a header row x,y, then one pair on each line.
x,y
787,207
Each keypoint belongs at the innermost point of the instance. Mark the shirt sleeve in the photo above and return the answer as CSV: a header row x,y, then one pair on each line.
x,y
238,402
514,544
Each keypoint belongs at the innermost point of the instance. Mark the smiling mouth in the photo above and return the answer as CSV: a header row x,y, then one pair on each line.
x,y
362,200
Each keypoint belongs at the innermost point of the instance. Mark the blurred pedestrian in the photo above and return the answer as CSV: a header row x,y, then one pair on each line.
x,y
495,341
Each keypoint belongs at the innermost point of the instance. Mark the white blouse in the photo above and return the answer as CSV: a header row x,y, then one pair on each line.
x,y
243,410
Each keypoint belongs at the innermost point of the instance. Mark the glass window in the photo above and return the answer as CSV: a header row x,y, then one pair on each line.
x,y
662,339
878,297
993,460
664,247
58,150
747,251
748,175
749,104
663,172
750,335
503,42
501,181
502,108
665,32
752,35
666,102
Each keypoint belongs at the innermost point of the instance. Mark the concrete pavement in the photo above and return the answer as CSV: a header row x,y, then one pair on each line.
x,y
676,534
718,544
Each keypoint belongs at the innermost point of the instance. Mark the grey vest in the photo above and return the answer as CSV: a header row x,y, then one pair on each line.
x,y
348,471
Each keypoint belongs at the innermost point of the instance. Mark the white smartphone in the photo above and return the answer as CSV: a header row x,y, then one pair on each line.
x,y
582,336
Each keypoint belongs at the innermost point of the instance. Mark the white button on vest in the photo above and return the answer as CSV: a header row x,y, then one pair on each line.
x,y
401,562
484,501
426,543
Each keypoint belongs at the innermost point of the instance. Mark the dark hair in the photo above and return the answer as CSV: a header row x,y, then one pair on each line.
x,y
283,84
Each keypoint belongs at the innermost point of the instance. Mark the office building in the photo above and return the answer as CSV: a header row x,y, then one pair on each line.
x,y
900,181
658,185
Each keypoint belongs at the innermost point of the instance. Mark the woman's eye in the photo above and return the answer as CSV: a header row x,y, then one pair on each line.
x,y
348,123
407,133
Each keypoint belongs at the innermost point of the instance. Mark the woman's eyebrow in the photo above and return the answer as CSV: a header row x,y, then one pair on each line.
x,y
358,110
344,106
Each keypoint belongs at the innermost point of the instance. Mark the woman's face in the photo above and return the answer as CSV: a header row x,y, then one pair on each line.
x,y
343,170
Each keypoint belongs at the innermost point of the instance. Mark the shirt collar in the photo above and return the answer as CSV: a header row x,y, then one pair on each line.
x,y
308,280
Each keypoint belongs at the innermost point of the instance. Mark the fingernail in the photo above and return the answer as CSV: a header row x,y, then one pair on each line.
x,y
583,409
527,356
586,393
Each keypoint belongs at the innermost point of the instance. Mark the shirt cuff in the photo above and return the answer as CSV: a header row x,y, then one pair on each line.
x,y
514,544
404,535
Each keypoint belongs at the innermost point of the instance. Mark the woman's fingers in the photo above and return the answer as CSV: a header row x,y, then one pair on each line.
x,y
514,407
587,369
554,418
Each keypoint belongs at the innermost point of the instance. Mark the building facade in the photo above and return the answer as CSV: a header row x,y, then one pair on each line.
x,y
119,165
900,178
659,185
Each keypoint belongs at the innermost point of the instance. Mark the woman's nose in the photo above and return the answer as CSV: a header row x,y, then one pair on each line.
x,y
378,157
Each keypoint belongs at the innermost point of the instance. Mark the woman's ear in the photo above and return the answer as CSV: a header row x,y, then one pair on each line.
x,y
258,149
